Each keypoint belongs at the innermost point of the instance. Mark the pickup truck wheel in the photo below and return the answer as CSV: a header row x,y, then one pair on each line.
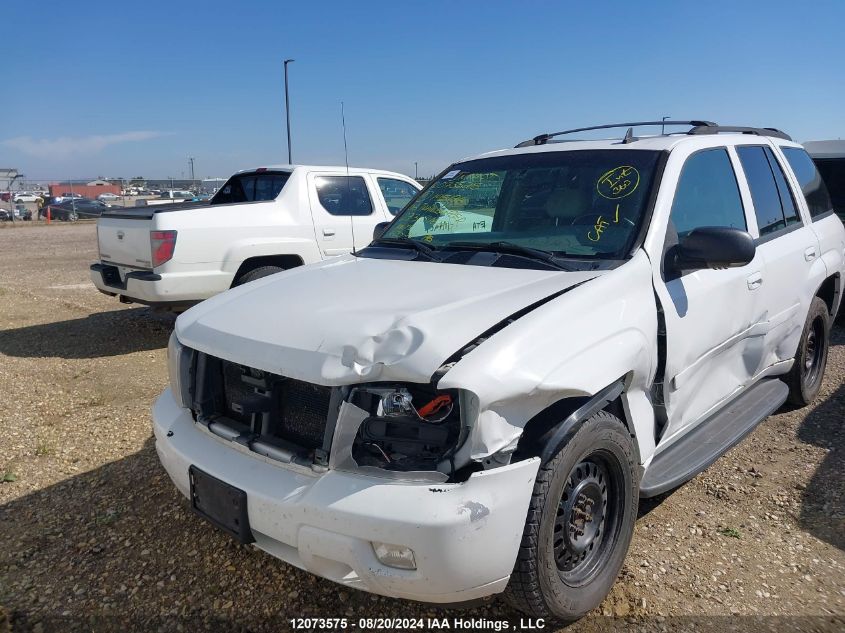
x,y
256,273
805,377
579,525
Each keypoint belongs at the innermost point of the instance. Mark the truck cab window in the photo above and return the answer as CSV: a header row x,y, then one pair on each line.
x,y
344,195
397,193
251,187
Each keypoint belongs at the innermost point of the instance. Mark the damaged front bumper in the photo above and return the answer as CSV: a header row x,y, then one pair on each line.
x,y
464,536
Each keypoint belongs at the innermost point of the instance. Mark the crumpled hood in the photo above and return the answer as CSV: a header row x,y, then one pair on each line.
x,y
350,320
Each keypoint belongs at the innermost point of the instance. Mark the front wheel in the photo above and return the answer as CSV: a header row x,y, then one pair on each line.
x,y
579,525
805,377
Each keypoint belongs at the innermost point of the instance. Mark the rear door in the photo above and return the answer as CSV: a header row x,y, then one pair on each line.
x,y
789,248
342,206
711,317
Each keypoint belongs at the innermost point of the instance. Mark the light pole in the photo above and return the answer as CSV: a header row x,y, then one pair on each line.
x,y
287,107
416,171
191,160
663,125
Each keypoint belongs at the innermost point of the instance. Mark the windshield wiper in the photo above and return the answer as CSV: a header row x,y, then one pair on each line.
x,y
421,247
510,248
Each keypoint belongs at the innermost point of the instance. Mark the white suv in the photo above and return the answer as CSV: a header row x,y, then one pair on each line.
x,y
474,403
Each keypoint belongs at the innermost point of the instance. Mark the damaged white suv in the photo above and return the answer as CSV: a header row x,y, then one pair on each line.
x,y
474,403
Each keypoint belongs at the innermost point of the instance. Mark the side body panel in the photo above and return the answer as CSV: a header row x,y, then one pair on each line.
x,y
574,345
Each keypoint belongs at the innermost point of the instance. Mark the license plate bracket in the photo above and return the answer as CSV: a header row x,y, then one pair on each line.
x,y
221,504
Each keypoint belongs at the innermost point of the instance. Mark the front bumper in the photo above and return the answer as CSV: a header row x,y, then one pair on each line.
x,y
161,289
465,537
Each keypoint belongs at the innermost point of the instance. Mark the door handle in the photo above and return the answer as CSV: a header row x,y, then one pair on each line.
x,y
328,232
754,281
811,253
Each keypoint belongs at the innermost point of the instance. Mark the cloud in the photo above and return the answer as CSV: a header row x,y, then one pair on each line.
x,y
66,146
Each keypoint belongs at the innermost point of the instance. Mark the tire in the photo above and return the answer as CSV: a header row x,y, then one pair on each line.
x,y
561,574
807,373
256,273
72,217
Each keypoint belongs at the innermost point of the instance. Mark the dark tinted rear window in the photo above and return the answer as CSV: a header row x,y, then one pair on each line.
x,y
812,185
833,174
251,187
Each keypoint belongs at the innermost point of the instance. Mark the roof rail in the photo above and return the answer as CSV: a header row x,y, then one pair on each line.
x,y
698,127
542,139
759,131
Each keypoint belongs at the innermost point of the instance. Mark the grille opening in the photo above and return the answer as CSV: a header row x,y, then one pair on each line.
x,y
260,406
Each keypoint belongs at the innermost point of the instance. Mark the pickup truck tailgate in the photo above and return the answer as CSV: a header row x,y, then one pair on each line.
x,y
124,241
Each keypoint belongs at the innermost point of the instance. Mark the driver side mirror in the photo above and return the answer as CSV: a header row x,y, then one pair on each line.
x,y
379,229
713,247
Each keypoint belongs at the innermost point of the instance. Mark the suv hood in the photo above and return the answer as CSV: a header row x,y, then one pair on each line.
x,y
350,320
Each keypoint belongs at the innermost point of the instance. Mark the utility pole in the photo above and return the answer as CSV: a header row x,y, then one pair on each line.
x,y
416,171
287,107
191,161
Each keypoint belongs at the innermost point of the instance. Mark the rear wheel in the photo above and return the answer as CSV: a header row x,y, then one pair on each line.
x,y
805,377
256,273
579,524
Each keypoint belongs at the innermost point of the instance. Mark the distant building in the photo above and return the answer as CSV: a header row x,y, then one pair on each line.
x,y
88,190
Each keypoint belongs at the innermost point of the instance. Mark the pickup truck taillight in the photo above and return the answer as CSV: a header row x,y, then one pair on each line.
x,y
163,244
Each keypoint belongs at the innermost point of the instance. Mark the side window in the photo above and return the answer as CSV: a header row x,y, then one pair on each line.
x,y
397,193
344,195
812,186
764,191
787,202
707,194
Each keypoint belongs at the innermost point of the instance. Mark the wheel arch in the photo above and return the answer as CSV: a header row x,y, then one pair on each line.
x,y
545,433
830,291
282,261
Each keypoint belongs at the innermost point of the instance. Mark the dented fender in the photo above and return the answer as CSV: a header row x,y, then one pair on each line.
x,y
575,345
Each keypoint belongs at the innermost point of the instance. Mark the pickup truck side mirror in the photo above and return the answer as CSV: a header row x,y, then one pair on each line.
x,y
713,247
379,229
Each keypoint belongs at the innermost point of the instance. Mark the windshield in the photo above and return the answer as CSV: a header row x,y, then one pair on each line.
x,y
580,203
251,187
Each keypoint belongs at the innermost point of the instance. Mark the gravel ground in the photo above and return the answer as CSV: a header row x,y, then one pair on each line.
x,y
95,537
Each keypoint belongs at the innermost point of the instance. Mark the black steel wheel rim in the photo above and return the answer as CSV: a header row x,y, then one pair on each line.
x,y
588,517
814,346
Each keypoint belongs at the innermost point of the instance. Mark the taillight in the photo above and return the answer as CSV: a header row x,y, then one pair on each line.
x,y
163,244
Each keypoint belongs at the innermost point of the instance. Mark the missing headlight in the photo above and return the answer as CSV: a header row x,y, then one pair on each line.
x,y
409,428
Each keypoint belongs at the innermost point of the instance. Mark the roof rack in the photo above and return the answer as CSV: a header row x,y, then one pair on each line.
x,y
759,131
698,127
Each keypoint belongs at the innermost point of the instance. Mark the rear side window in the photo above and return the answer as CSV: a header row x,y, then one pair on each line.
x,y
707,194
764,189
833,174
344,195
787,202
812,185
397,193
251,187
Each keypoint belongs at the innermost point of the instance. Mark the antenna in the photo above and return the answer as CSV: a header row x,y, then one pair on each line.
x,y
348,187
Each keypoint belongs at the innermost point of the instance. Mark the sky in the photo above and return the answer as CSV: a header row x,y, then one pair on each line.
x,y
133,89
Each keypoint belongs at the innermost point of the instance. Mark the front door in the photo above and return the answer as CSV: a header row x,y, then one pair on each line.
x,y
711,317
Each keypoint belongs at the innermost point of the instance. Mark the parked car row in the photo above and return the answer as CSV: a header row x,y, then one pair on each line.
x,y
73,209
471,397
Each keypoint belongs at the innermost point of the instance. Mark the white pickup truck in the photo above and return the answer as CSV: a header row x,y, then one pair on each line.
x,y
260,222
475,403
